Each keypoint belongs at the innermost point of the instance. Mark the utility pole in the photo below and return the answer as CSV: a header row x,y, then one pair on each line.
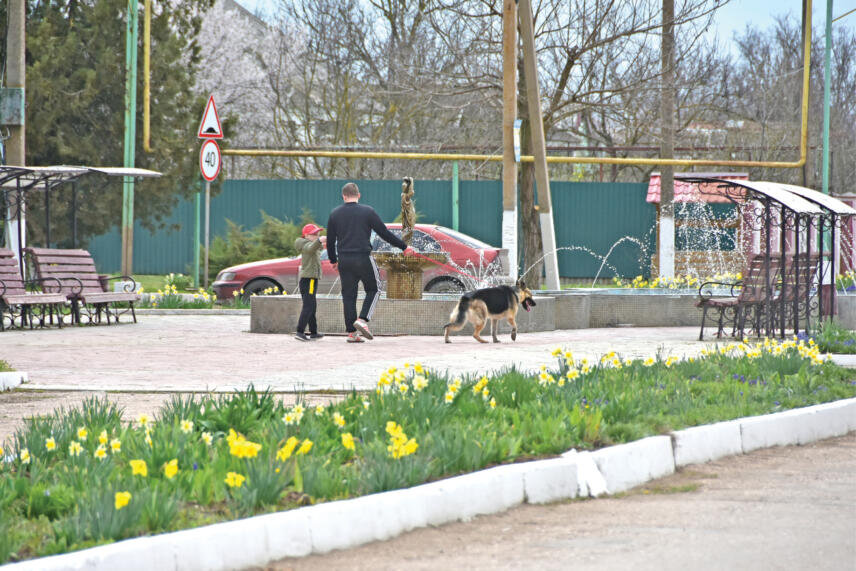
x,y
509,114
539,147
827,79
130,138
16,81
666,248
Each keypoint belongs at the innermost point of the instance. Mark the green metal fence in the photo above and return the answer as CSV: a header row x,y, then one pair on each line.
x,y
588,216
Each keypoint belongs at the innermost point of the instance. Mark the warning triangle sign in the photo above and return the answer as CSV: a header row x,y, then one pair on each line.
x,y
210,127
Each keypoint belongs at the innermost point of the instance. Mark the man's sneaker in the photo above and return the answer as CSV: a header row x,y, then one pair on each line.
x,y
316,335
363,328
301,336
354,337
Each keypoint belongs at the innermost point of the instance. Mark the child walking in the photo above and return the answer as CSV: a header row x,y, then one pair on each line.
x,y
309,246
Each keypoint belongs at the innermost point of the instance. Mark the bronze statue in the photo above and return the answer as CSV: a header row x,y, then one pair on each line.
x,y
408,212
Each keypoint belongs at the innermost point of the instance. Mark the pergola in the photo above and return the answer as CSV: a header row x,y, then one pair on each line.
x,y
17,181
789,224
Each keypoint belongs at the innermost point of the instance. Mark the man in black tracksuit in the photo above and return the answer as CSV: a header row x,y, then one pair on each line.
x,y
349,250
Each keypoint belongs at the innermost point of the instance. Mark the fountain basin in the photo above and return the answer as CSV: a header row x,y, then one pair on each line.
x,y
279,313
566,309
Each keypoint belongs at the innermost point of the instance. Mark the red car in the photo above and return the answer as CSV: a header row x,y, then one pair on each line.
x,y
467,254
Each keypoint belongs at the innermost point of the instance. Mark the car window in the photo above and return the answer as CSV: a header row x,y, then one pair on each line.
x,y
423,242
468,240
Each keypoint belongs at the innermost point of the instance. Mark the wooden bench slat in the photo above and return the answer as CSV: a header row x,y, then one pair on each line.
x,y
108,296
57,251
34,298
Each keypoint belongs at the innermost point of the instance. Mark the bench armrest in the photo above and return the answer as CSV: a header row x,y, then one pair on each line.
x,y
74,288
2,289
128,289
705,290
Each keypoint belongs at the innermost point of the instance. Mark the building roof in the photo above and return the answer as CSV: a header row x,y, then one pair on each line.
x,y
692,191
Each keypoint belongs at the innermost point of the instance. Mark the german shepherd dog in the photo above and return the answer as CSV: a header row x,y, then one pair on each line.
x,y
493,303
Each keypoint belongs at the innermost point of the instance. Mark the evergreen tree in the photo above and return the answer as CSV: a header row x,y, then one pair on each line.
x,y
75,107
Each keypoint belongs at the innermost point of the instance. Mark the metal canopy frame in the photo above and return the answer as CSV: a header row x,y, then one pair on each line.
x,y
799,210
16,181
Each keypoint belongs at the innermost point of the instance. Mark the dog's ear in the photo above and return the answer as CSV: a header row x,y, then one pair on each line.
x,y
521,284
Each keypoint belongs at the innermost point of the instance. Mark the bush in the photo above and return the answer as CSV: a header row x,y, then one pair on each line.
x,y
180,282
273,238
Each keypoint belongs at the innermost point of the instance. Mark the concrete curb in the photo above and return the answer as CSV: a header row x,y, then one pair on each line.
x,y
339,525
12,379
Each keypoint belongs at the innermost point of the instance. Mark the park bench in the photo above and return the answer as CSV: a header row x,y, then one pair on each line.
x,y
797,290
16,302
747,299
82,285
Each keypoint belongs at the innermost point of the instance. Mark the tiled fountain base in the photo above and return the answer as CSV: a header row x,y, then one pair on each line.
x,y
578,309
279,313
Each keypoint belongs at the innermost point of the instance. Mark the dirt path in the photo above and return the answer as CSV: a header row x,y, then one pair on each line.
x,y
781,508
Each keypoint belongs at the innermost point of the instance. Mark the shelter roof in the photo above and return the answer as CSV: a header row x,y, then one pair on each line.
x,y
825,201
686,191
30,176
745,189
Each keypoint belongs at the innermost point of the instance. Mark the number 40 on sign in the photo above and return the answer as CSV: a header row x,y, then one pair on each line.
x,y
209,160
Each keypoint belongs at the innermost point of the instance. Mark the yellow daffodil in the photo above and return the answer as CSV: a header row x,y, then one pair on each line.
x,y
419,383
492,403
207,438
170,469
148,440
556,352
298,409
285,452
82,433
139,468
418,368
234,480
121,499
115,446
25,456
103,438
348,441
305,447
289,418
50,445
100,452
186,426
449,397
319,409
74,449
143,420
244,448
338,420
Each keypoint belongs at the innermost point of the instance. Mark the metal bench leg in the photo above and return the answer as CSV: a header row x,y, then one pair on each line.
x,y
133,313
703,316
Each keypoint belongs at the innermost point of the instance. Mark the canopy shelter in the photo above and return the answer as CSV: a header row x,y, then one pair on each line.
x,y
788,223
17,181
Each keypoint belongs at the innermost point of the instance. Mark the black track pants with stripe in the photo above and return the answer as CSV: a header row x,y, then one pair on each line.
x,y
355,268
308,290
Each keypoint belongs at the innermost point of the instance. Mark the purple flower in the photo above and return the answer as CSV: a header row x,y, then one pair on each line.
x,y
195,466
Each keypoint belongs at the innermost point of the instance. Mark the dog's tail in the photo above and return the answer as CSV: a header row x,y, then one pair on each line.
x,y
459,314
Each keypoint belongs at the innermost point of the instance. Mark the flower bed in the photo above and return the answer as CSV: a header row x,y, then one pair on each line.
x,y
82,477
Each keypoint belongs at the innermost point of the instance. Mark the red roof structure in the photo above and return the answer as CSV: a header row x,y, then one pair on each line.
x,y
692,191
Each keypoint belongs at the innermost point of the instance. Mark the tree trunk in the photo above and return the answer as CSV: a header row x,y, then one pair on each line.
x,y
530,222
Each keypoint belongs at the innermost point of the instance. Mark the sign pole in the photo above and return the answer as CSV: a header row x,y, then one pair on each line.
x,y
197,198
207,225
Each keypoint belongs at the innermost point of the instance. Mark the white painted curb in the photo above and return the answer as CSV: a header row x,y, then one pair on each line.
x,y
338,525
10,380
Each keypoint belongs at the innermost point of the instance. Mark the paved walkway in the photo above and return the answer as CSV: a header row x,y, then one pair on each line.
x,y
217,353
779,508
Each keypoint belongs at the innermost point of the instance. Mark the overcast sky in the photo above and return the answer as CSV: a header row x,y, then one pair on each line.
x,y
733,17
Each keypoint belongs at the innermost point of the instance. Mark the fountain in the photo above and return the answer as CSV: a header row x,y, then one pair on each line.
x,y
404,273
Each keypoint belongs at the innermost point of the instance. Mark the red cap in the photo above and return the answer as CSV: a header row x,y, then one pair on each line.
x,y
311,229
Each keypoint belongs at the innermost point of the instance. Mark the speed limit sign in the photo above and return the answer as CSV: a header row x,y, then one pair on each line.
x,y
209,160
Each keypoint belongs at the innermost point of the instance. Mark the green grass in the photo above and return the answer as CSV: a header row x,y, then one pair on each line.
x,y
831,337
244,454
5,367
150,282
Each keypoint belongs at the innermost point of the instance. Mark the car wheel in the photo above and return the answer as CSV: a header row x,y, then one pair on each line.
x,y
257,287
445,284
